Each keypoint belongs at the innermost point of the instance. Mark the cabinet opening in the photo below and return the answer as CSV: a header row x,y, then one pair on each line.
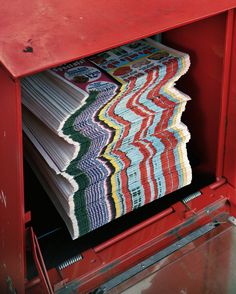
x,y
204,42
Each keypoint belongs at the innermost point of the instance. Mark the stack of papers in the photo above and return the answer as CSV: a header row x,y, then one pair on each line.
x,y
104,134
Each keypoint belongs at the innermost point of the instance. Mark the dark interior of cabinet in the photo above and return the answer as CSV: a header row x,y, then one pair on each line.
x,y
204,41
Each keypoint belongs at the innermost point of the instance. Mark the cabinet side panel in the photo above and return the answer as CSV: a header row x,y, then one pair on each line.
x,y
230,150
11,187
204,41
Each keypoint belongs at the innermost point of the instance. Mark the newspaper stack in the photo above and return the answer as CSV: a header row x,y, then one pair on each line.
x,y
105,134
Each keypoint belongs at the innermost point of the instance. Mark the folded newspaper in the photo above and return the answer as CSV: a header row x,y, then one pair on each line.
x,y
104,134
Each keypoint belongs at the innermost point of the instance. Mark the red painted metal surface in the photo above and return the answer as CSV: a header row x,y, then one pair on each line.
x,y
98,266
204,41
35,35
225,92
39,262
11,186
134,229
206,265
230,149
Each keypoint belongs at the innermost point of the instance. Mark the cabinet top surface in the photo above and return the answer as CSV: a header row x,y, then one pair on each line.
x,y
38,34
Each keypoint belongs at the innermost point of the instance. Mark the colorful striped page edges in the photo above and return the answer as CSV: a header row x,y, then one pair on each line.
x,y
104,134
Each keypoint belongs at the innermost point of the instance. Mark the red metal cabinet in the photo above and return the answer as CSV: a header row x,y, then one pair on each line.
x,y
36,35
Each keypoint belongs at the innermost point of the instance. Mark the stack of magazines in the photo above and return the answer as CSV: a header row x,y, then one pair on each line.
x,y
104,134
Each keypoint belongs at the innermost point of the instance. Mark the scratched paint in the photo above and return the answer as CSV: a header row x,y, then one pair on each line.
x,y
3,198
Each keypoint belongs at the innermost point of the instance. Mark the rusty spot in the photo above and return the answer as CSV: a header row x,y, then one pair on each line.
x,y
28,49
